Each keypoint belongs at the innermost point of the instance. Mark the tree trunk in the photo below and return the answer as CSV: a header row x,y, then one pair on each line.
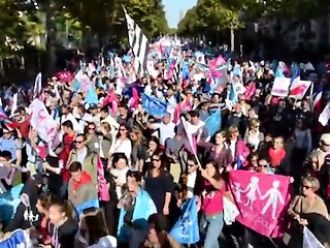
x,y
51,38
232,39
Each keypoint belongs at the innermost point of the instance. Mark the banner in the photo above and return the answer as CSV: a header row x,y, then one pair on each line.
x,y
281,86
262,200
185,230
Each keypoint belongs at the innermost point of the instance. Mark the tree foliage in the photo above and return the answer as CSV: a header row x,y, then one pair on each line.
x,y
210,14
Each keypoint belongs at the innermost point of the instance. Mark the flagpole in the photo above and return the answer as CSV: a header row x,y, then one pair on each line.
x,y
311,96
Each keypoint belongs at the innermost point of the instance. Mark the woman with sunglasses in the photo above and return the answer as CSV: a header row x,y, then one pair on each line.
x,y
92,140
253,136
239,150
306,202
159,184
122,143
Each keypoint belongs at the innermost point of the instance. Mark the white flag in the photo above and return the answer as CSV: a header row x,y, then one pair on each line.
x,y
138,42
310,241
37,86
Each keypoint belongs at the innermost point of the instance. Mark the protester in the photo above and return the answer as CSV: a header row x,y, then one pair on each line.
x,y
64,225
81,187
307,202
212,205
136,206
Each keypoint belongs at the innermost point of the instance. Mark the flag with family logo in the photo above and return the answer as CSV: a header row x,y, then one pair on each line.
x,y
262,200
185,230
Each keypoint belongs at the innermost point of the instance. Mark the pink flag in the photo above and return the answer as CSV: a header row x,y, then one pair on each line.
x,y
262,200
134,102
65,76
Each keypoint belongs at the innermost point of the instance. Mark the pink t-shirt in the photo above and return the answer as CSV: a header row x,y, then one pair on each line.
x,y
213,203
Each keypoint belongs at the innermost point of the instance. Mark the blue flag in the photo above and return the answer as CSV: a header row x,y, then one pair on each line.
x,y
17,239
153,106
295,72
213,123
94,203
233,94
185,230
76,86
9,202
91,97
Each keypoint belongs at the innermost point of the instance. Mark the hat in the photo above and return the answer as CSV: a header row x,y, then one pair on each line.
x,y
325,138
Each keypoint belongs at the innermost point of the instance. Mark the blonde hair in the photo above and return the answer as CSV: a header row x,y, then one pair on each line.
x,y
314,182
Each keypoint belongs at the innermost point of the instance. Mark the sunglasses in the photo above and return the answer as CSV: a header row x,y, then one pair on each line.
x,y
79,141
156,159
306,187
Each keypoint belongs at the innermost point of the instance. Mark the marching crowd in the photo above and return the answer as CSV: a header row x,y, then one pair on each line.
x,y
117,171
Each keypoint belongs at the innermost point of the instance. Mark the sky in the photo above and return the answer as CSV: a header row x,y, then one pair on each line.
x,y
174,8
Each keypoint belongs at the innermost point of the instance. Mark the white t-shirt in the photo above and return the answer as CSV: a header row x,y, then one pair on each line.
x,y
165,131
123,146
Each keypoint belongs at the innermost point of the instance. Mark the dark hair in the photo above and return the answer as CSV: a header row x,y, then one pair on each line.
x,y
125,126
264,158
67,124
154,139
105,110
81,135
75,166
136,174
192,158
217,175
20,109
123,105
46,199
65,206
118,156
96,227
193,113
159,223
6,155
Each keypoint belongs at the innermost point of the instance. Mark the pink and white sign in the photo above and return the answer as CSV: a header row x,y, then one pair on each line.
x,y
262,200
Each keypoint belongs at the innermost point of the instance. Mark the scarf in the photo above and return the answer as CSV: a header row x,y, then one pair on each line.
x,y
85,178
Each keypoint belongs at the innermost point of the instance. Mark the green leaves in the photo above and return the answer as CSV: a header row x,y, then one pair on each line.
x,y
210,16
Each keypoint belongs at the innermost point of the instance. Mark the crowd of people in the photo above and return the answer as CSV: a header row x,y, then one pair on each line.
x,y
119,174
